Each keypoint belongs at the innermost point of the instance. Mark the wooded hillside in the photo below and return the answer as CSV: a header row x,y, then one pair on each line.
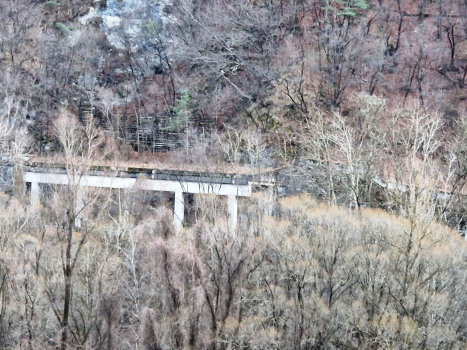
x,y
358,106
264,65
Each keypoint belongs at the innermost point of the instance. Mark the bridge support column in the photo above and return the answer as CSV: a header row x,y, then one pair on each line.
x,y
124,198
179,211
272,197
232,206
35,196
79,205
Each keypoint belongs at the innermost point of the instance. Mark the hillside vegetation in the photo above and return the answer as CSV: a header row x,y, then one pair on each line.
x,y
358,103
312,277
263,65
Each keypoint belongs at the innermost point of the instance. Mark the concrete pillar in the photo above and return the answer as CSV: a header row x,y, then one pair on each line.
x,y
79,205
124,198
233,213
35,196
272,197
179,211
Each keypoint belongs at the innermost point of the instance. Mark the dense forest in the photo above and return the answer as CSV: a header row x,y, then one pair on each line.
x,y
359,108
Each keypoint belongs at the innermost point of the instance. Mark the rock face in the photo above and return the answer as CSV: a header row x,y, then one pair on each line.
x,y
124,20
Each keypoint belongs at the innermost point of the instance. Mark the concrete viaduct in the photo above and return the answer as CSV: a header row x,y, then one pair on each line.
x,y
229,184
